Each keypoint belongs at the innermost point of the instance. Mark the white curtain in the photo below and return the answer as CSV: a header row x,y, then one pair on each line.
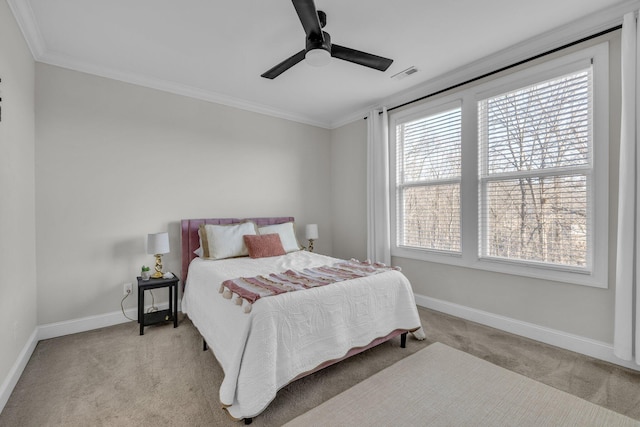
x,y
626,341
378,231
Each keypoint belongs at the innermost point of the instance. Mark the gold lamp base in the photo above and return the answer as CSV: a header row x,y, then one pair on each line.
x,y
158,274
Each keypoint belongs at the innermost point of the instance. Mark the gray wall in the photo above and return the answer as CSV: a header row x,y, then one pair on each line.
x,y
574,309
116,161
17,209
349,190
107,162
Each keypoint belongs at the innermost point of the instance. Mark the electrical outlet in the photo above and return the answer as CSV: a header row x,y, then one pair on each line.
x,y
127,288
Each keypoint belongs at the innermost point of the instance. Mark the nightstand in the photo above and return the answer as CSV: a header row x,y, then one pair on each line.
x,y
146,319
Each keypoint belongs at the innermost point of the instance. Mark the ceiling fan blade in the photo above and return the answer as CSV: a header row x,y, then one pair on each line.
x,y
284,65
361,58
306,10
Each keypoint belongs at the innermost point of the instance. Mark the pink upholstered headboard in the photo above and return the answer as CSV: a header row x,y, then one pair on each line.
x,y
191,240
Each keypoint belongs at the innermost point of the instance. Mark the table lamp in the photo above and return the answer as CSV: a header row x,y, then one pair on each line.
x,y
158,244
311,232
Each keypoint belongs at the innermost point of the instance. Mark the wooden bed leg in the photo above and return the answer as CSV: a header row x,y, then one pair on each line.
x,y
403,340
248,421
204,345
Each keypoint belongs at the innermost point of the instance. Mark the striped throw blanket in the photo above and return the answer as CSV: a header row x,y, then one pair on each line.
x,y
251,289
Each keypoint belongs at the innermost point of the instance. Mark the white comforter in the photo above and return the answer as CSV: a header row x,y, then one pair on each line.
x,y
286,335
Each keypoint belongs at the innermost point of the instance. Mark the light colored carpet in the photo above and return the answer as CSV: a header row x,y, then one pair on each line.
x,y
115,377
442,386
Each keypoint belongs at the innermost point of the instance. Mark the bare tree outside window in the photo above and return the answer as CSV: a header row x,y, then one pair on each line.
x,y
429,181
536,160
509,174
534,175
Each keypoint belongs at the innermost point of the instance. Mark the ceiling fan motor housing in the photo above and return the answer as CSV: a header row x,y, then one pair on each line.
x,y
319,43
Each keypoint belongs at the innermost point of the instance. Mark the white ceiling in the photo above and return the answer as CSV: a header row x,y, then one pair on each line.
x,y
217,49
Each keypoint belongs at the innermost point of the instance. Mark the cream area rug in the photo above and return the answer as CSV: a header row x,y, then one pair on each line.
x,y
441,386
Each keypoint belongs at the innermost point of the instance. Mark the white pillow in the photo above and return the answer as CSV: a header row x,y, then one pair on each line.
x,y
225,241
287,234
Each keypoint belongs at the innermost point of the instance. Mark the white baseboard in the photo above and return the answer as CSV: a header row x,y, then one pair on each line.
x,y
579,344
58,329
586,346
18,367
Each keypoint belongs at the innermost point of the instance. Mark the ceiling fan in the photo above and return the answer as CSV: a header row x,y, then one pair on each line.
x,y
319,50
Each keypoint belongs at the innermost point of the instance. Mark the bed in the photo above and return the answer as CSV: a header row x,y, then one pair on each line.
x,y
285,337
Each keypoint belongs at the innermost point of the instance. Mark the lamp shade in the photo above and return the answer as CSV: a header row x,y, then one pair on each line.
x,y
158,243
311,231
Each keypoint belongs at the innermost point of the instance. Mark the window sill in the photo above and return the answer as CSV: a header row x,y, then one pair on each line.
x,y
552,273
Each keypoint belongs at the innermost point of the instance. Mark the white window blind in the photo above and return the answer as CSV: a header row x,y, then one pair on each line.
x,y
535,172
428,181
509,175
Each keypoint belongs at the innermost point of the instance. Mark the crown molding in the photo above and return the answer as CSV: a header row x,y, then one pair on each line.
x,y
71,63
26,20
576,30
358,115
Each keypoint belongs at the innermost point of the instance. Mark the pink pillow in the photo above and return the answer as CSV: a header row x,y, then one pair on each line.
x,y
265,245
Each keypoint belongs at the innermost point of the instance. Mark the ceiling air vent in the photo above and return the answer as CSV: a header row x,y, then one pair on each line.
x,y
404,73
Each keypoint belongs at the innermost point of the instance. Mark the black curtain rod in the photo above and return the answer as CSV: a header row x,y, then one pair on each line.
x,y
524,61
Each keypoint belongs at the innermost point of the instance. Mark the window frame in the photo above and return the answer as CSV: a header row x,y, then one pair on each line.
x,y
468,98
398,236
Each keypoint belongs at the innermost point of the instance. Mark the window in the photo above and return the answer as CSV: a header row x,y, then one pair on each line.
x,y
429,181
535,171
510,175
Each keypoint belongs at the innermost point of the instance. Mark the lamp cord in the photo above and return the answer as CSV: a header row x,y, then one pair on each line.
x,y
122,306
151,309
